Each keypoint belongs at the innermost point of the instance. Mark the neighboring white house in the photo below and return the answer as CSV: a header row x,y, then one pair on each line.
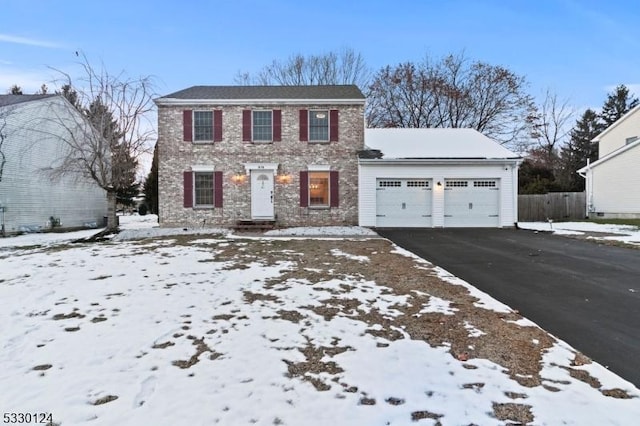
x,y
437,178
30,144
613,181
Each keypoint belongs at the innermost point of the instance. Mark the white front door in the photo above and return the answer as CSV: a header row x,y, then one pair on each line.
x,y
262,194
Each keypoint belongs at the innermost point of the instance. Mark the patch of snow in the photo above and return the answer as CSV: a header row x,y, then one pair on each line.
x,y
624,233
438,306
340,253
473,330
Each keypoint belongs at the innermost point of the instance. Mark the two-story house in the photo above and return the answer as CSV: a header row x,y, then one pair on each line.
x,y
286,154
613,181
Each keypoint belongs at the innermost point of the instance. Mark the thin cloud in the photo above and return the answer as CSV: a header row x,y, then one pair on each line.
x,y
8,38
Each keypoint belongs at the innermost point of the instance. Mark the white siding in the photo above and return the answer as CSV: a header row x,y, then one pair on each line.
x,y
27,192
616,184
616,136
437,173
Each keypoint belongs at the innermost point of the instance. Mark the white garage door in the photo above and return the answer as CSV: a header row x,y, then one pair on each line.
x,y
403,203
472,203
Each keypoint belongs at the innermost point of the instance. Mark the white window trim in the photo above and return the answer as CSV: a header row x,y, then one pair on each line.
x,y
328,126
261,141
193,126
319,167
203,168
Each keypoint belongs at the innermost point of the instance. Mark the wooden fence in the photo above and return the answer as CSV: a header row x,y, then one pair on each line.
x,y
554,205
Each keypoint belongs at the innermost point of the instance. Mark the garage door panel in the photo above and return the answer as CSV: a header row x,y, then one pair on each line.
x,y
403,203
472,203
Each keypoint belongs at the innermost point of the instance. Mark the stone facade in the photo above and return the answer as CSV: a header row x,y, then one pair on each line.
x,y
231,156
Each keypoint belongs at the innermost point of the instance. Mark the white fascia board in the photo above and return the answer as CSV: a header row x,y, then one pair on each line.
x,y
439,161
609,156
174,101
616,123
260,166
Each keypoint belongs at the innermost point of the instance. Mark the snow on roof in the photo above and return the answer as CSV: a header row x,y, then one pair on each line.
x,y
435,143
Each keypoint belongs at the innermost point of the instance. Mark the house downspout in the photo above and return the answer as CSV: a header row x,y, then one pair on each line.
x,y
588,188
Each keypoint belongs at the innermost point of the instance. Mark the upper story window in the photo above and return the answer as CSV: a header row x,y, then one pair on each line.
x,y
202,126
632,139
319,126
262,126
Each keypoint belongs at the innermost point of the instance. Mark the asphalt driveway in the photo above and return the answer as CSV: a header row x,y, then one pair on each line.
x,y
585,293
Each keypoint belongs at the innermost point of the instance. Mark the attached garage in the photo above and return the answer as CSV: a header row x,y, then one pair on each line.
x,y
426,178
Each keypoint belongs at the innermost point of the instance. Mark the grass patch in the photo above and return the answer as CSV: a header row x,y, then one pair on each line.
x,y
632,222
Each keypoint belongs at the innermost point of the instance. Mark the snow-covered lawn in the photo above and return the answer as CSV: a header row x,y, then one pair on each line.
x,y
204,329
605,232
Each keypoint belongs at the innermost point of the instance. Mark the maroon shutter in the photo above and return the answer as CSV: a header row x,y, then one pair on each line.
x,y
333,125
304,189
188,189
246,125
334,197
217,125
187,127
217,189
304,126
277,125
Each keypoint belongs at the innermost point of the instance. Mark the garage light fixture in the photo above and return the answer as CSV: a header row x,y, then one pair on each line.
x,y
439,183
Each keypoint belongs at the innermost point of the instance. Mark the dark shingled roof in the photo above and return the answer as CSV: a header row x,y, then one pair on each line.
x,y
268,92
6,100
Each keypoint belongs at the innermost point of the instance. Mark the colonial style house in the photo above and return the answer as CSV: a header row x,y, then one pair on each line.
x,y
280,154
613,181
31,143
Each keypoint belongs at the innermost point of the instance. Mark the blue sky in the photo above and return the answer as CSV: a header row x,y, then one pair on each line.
x,y
579,49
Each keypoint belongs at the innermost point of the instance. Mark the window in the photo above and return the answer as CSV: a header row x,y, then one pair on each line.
x,y
262,126
484,184
418,183
632,139
203,188
319,126
389,183
318,189
456,183
202,126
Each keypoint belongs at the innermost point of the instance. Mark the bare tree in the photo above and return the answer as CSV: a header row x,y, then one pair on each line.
x,y
343,67
450,92
112,131
4,112
550,126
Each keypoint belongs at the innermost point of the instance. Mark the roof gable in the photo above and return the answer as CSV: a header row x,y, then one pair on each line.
x,y
231,93
611,155
435,143
632,111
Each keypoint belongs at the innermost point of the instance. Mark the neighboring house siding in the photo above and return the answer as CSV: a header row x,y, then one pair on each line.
x,y
233,151
505,173
615,185
27,191
617,135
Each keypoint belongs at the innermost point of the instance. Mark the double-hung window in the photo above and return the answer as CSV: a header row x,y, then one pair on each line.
x,y
319,126
203,126
203,189
262,126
